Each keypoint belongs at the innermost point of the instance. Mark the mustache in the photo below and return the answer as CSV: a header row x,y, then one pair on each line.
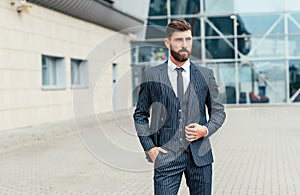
x,y
183,50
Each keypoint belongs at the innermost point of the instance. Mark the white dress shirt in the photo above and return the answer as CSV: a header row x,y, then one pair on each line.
x,y
172,73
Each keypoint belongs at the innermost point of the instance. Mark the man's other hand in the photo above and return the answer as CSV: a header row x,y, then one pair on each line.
x,y
153,152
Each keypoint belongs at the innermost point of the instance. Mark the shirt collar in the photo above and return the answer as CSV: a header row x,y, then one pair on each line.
x,y
185,66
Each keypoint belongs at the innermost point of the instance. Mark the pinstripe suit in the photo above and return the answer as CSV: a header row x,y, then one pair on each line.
x,y
168,116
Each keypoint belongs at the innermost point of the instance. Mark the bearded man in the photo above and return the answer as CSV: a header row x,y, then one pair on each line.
x,y
177,93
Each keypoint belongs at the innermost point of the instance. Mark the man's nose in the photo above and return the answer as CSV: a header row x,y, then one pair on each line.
x,y
184,44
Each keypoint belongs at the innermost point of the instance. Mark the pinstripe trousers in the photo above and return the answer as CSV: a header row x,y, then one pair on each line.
x,y
169,169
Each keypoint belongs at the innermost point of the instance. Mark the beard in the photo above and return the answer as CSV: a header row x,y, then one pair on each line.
x,y
180,56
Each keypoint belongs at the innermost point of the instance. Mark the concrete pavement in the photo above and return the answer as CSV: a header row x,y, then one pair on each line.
x,y
256,152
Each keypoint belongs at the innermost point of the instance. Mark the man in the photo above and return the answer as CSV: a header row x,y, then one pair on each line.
x,y
262,82
177,139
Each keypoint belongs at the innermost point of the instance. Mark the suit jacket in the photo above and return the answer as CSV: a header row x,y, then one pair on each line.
x,y
156,96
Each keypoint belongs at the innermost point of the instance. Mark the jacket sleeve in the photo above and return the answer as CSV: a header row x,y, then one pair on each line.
x,y
214,105
141,116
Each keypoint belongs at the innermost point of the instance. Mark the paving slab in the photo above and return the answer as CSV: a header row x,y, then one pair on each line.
x,y
257,151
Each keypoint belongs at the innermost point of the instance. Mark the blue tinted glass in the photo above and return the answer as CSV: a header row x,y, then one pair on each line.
x,y
294,23
158,8
294,74
195,23
261,23
179,7
151,51
156,28
273,74
218,7
219,48
271,46
294,45
258,6
223,24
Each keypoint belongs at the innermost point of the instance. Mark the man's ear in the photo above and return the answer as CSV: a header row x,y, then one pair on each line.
x,y
167,43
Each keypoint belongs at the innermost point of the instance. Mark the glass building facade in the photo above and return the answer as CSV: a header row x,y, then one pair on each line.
x,y
253,46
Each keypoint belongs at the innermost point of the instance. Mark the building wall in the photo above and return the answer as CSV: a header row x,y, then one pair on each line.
x,y
25,37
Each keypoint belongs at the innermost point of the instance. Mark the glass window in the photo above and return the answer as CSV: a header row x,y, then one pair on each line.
x,y
195,23
150,51
196,50
271,46
262,82
269,79
260,24
258,6
292,5
225,76
294,74
246,82
158,8
216,25
219,48
220,33
156,28
79,73
294,24
183,7
218,7
294,45
53,72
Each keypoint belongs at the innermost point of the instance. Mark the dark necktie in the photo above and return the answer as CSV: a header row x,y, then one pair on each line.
x,y
180,89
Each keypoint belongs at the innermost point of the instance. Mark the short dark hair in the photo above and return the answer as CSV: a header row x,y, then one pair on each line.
x,y
177,26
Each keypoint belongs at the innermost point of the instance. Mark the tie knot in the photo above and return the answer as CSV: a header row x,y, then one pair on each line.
x,y
179,70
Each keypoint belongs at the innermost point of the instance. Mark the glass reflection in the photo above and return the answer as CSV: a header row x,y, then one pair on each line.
x,y
219,48
294,24
149,52
294,77
195,23
158,8
183,7
226,72
260,37
258,6
196,50
260,24
292,5
294,46
271,46
219,7
271,76
223,28
156,28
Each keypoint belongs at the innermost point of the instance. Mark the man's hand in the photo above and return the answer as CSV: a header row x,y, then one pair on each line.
x,y
153,152
194,131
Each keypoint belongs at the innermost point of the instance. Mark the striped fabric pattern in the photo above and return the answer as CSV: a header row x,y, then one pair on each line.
x,y
156,95
169,114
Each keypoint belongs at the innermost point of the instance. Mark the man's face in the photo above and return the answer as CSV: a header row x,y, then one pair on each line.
x,y
180,45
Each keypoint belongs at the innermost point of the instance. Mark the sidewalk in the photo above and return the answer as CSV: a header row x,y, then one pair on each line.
x,y
256,152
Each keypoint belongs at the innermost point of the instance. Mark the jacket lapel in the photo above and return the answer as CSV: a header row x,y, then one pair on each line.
x,y
164,79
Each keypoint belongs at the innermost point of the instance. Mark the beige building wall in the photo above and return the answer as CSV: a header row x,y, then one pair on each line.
x,y
25,37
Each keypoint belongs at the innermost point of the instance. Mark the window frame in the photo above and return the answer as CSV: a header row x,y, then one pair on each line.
x,y
54,71
82,66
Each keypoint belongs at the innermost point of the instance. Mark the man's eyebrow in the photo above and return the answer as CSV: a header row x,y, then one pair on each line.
x,y
180,38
